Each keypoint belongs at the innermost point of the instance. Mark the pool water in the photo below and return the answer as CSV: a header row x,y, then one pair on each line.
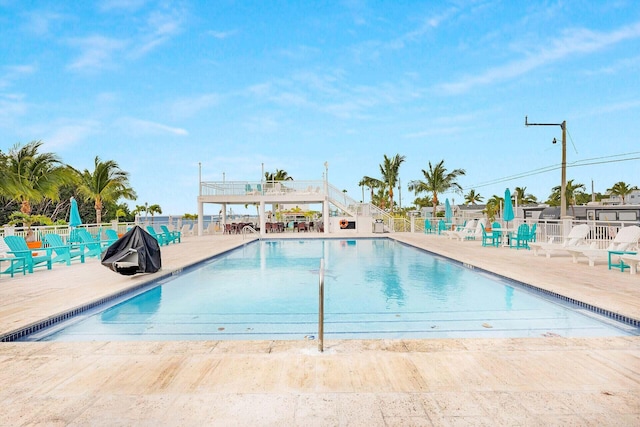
x,y
374,288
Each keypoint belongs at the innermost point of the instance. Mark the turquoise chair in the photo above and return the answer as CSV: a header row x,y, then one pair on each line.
x,y
487,237
20,249
112,235
93,246
162,241
428,229
171,236
442,226
64,253
521,238
497,233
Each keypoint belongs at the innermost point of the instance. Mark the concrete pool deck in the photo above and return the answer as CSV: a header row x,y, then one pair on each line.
x,y
527,381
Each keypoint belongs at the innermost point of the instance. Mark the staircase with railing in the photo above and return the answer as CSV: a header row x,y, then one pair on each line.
x,y
354,208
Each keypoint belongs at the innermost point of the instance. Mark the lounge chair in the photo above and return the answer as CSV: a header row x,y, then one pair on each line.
x,y
20,249
626,239
16,264
574,239
468,232
633,261
185,230
171,236
112,235
64,253
93,246
162,240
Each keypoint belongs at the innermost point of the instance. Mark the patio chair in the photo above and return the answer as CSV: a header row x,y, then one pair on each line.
x,y
428,229
32,259
488,237
93,246
64,253
112,235
442,226
521,238
575,239
162,240
496,231
468,231
625,240
171,236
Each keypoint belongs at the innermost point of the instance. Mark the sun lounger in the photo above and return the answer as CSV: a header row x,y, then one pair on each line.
x,y
626,239
575,239
468,232
64,253
633,261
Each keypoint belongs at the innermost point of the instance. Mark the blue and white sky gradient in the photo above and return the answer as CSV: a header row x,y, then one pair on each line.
x,y
161,86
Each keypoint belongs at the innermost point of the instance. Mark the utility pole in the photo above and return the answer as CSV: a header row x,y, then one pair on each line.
x,y
563,183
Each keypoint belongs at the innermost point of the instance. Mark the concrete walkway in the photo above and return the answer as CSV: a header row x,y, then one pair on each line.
x,y
534,381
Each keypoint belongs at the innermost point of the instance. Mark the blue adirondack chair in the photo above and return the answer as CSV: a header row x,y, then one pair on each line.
x,y
521,238
428,229
64,253
93,246
442,226
112,235
20,249
171,236
159,237
488,238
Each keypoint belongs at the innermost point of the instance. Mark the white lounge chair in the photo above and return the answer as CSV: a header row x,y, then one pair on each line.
x,y
626,239
575,239
467,232
633,261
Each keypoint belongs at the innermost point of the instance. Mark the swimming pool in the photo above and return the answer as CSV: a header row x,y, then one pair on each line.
x,y
374,288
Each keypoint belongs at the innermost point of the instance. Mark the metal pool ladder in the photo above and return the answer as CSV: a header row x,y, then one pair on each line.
x,y
321,307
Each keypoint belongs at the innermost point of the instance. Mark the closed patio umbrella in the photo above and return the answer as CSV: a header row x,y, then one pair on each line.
x,y
74,218
508,207
448,214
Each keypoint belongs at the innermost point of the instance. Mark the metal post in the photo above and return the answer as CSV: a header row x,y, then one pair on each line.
x,y
563,183
321,308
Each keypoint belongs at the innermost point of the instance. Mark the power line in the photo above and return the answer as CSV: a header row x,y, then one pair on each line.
x,y
545,169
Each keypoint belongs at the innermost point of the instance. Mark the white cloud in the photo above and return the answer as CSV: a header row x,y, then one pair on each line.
x,y
221,35
11,107
40,22
96,52
575,41
68,134
161,26
188,107
144,127
14,72
128,5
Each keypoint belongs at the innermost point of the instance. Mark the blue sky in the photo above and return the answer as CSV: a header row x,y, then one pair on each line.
x,y
162,86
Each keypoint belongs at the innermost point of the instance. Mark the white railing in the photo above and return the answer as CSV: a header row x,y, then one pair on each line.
x,y
601,233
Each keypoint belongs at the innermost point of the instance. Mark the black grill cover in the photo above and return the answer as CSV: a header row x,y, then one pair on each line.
x,y
135,252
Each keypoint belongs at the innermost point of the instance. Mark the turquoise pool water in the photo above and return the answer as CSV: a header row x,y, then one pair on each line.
x,y
374,288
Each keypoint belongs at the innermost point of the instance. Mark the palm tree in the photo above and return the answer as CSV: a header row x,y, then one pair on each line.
x,y
154,209
621,189
372,183
572,191
30,176
278,175
389,170
437,181
493,206
107,182
472,197
521,196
